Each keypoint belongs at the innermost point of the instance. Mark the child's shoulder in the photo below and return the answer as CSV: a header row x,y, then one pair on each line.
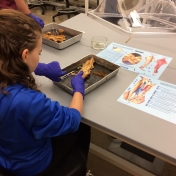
x,y
24,93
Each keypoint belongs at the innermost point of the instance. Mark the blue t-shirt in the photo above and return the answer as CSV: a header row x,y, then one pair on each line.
x,y
28,119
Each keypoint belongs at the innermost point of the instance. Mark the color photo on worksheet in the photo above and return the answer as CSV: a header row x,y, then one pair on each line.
x,y
151,96
136,60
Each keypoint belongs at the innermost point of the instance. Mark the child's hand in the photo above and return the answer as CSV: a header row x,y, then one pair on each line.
x,y
77,83
52,71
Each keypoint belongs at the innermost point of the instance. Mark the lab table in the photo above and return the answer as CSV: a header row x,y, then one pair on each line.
x,y
162,46
101,108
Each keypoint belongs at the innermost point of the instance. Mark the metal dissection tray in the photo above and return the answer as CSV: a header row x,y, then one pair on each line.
x,y
72,36
93,81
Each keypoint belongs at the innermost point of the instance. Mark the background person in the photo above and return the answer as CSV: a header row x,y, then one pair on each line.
x,y
21,6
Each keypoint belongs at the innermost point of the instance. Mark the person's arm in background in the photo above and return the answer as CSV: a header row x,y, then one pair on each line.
x,y
22,7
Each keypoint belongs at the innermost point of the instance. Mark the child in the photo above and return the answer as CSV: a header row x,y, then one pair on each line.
x,y
32,127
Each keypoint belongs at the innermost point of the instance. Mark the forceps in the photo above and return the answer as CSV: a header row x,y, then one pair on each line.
x,y
67,75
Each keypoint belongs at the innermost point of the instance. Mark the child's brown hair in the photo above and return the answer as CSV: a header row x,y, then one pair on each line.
x,y
18,31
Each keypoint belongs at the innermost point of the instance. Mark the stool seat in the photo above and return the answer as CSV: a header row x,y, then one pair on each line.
x,y
73,165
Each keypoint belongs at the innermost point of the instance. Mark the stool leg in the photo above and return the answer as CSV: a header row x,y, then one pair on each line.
x,y
43,10
58,14
53,17
73,13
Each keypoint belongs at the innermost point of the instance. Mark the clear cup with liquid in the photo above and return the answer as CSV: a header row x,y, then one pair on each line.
x,y
99,42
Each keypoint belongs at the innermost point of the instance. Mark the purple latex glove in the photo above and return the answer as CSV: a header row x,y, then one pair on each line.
x,y
77,83
37,19
52,71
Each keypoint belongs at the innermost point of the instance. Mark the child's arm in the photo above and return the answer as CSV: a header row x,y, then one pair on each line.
x,y
77,102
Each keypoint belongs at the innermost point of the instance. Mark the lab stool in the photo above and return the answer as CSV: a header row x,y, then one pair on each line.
x,y
66,11
41,4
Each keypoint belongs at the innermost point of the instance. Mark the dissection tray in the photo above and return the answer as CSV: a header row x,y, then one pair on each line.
x,y
71,36
93,80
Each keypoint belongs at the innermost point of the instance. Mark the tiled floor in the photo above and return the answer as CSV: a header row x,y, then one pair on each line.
x,y
98,166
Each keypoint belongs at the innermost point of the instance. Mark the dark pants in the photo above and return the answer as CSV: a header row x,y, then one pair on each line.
x,y
67,144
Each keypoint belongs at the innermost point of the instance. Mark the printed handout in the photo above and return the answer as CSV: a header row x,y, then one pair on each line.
x,y
151,96
136,60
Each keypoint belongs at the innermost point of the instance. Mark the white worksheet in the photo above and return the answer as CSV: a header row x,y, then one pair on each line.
x,y
132,59
151,96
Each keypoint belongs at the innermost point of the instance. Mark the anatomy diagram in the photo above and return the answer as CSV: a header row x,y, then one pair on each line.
x,y
148,60
159,63
137,93
132,58
115,48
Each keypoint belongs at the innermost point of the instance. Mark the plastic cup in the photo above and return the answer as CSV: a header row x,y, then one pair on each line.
x,y
99,42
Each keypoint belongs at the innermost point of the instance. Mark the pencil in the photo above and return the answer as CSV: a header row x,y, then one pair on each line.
x,y
128,40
